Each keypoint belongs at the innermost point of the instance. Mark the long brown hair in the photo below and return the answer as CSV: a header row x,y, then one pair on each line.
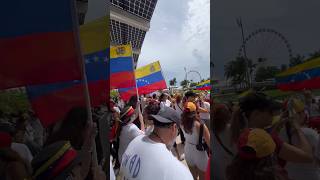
x,y
72,128
188,118
221,117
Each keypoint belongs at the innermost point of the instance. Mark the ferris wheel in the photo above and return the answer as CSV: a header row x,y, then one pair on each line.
x,y
266,47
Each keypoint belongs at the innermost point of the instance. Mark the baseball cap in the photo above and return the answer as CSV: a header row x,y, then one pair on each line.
x,y
167,115
258,101
55,161
190,106
255,144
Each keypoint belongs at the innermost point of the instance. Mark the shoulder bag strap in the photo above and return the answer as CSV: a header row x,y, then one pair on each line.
x,y
223,146
200,134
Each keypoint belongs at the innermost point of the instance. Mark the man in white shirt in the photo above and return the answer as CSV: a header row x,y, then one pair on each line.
x,y
204,116
129,130
148,157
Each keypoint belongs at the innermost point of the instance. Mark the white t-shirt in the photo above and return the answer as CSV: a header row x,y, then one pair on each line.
x,y
221,159
168,103
128,133
300,171
112,176
23,151
145,159
117,109
205,116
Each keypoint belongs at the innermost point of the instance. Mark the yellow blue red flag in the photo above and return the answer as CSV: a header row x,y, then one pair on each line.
x,y
302,76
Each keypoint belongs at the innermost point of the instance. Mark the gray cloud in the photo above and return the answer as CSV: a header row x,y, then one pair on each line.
x,y
178,38
296,20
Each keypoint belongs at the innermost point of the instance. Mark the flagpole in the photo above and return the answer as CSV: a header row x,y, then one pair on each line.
x,y
134,71
83,69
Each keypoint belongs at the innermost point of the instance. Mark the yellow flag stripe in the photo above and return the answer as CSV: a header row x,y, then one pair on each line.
x,y
315,63
204,82
94,36
148,69
120,51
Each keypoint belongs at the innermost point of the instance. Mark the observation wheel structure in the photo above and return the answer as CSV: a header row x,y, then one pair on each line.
x,y
266,47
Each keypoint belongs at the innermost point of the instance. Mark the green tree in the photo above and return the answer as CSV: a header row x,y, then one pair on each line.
x,y
173,82
184,83
236,71
296,60
314,54
283,67
264,73
193,84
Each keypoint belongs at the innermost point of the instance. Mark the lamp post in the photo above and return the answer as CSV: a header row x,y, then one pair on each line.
x,y
239,22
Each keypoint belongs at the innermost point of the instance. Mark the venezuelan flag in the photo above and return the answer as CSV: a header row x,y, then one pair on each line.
x,y
203,85
52,101
121,67
38,42
149,79
302,76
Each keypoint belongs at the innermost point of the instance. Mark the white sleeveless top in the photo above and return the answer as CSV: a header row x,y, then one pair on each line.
x,y
192,138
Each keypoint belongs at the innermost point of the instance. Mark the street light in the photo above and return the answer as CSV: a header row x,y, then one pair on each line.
x,y
239,22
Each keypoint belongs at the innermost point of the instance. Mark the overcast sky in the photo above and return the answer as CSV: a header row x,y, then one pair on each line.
x,y
179,37
297,20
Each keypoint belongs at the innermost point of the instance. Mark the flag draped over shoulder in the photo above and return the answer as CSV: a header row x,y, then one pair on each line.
x,y
302,76
38,43
121,67
52,101
149,79
205,85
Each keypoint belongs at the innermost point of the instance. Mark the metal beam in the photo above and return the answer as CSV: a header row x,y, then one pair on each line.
x,y
128,18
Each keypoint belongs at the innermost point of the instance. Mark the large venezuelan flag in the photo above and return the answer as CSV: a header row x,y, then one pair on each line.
x,y
121,67
52,101
149,79
302,76
204,85
38,43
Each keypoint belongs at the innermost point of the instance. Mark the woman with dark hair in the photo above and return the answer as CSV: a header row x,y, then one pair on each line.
x,y
81,134
72,128
300,171
256,111
196,157
222,147
254,160
12,166
178,106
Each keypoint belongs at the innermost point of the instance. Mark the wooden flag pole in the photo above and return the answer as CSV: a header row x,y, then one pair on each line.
x,y
86,88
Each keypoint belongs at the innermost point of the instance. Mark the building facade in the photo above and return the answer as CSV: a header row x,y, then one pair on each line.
x,y
129,22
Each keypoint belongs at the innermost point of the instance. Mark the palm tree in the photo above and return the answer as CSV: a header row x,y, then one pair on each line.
x,y
184,83
173,82
236,70
298,59
314,54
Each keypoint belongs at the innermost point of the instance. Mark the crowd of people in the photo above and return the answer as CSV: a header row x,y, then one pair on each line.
x,y
167,136
146,134
63,151
259,138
